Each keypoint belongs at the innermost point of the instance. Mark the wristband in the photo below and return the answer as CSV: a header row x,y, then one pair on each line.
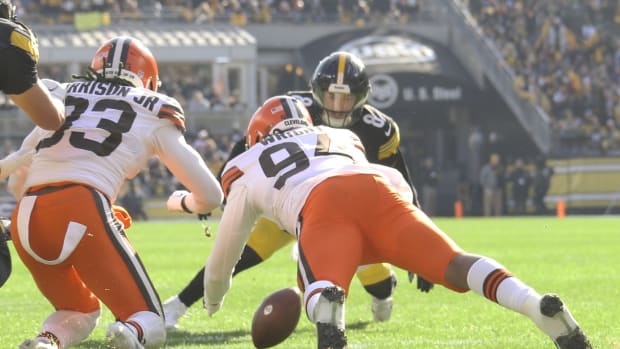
x,y
184,207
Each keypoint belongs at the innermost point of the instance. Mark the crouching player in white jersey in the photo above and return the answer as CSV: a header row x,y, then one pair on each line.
x,y
64,228
317,183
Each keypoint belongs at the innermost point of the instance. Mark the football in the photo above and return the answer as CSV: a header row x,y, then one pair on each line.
x,y
276,317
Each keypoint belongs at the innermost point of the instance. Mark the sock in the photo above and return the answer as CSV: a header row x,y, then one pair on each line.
x,y
194,290
491,280
70,327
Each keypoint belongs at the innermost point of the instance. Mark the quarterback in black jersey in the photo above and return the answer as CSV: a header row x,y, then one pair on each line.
x,y
19,55
338,97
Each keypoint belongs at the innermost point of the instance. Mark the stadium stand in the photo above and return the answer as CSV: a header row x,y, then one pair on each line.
x,y
553,68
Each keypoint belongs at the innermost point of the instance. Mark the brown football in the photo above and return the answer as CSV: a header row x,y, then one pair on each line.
x,y
276,317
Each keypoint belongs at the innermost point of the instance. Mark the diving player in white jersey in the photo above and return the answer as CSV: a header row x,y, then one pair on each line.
x,y
317,183
64,228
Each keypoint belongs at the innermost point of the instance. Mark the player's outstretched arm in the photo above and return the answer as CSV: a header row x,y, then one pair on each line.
x,y
43,109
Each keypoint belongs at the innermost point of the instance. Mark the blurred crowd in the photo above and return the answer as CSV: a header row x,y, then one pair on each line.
x,y
566,57
192,85
238,12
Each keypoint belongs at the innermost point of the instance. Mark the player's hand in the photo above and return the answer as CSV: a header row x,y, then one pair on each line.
x,y
423,285
211,308
13,161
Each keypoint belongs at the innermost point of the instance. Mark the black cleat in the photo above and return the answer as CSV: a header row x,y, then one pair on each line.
x,y
333,294
330,337
574,340
552,306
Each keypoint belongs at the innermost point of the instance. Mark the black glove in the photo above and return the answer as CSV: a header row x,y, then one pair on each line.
x,y
204,216
423,285
5,229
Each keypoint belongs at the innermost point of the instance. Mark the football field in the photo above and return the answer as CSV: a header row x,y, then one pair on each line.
x,y
576,257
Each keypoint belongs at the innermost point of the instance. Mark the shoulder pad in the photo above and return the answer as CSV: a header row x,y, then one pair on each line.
x,y
23,38
382,129
171,109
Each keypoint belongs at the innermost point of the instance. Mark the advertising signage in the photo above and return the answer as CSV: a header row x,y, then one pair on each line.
x,y
405,72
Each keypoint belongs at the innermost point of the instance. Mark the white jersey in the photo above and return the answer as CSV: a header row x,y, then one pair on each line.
x,y
110,133
273,179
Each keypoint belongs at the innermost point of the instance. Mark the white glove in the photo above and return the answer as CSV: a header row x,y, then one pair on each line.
x,y
57,90
14,161
176,201
212,308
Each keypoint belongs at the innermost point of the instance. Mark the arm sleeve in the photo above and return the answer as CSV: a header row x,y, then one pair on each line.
x,y
186,165
233,233
397,161
18,71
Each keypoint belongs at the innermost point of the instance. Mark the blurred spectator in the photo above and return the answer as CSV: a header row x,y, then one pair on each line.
x,y
566,59
238,16
520,180
132,199
492,183
541,183
428,180
197,103
201,143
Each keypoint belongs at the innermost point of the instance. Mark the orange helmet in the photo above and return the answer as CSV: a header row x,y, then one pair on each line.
x,y
127,59
277,114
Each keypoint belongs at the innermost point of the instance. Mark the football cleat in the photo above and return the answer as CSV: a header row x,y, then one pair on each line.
x,y
40,342
119,336
329,317
381,308
330,337
552,306
174,309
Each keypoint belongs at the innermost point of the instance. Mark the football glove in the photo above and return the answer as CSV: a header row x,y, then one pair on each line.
x,y
423,285
122,215
5,229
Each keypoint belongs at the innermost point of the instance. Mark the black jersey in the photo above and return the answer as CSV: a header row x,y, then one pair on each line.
x,y
19,54
378,132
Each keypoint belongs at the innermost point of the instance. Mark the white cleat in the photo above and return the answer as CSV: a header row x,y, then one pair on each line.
x,y
174,309
552,307
38,343
119,336
381,308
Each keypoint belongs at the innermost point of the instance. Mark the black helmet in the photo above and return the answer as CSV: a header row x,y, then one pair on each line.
x,y
7,9
340,86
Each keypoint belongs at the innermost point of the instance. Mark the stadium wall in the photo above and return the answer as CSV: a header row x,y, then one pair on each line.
x,y
586,184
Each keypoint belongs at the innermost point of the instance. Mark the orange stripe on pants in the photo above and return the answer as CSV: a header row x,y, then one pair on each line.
x,y
353,220
103,266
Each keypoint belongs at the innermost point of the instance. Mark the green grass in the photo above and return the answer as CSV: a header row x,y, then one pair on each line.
x,y
575,257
